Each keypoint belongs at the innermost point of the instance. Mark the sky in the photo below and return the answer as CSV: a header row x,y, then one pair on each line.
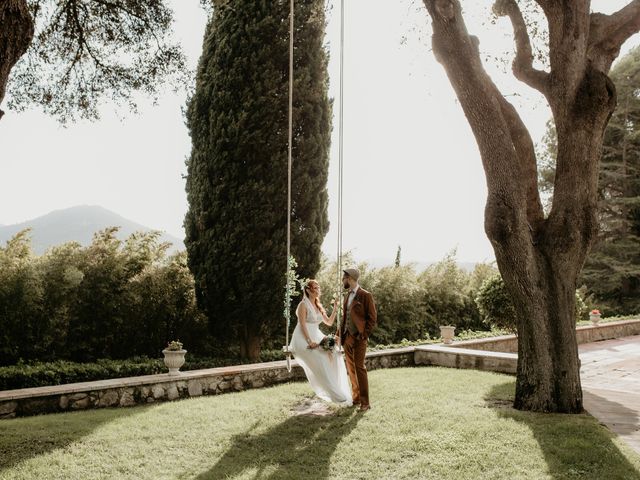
x,y
412,171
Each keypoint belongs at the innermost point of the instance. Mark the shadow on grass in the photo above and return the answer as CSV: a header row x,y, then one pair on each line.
x,y
29,437
574,446
299,447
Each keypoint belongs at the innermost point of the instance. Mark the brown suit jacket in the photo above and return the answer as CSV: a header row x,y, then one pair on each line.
x,y
363,313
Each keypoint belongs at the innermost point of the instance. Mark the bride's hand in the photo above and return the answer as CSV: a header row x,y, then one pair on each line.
x,y
313,345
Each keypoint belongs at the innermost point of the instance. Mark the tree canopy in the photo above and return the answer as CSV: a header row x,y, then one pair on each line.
x,y
69,55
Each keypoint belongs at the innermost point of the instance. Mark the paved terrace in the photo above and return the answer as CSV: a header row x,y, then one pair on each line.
x,y
611,385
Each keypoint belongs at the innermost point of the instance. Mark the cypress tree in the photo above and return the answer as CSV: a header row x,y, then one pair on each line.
x,y
237,173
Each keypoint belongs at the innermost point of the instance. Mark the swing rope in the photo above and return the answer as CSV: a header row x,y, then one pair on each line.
x,y
340,174
340,170
290,162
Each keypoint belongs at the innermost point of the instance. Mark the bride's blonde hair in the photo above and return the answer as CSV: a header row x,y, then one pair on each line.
x,y
307,288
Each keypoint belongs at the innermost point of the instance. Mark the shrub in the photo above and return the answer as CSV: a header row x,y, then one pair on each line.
x,y
413,305
112,299
449,293
496,307
494,303
399,303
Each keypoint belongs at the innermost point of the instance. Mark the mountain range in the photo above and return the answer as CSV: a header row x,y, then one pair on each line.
x,y
80,223
77,224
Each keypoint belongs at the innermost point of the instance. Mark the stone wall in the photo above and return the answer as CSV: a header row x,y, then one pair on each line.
x,y
445,356
126,392
504,343
399,357
607,331
584,334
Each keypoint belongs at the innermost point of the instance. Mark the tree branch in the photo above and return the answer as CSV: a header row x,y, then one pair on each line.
x,y
525,150
505,144
131,13
568,23
523,63
545,5
609,32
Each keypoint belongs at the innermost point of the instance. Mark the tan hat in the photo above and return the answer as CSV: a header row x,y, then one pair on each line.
x,y
353,273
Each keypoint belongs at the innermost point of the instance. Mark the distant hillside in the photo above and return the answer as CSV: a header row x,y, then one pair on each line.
x,y
77,224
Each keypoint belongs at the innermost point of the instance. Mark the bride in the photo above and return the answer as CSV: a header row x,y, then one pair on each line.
x,y
325,370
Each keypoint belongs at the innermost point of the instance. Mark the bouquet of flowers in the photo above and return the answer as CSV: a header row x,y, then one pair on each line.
x,y
328,343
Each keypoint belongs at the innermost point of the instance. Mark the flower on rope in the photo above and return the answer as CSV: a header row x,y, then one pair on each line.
x,y
595,312
303,282
336,296
290,290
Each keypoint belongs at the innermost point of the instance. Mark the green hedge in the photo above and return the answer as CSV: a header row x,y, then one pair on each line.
x,y
39,374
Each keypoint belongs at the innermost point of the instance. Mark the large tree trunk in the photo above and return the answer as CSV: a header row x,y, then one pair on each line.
x,y
548,376
549,367
540,258
16,33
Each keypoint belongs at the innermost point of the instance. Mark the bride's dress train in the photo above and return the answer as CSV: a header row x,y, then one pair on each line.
x,y
325,371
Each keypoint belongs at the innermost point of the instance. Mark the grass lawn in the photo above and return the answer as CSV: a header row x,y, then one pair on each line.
x,y
426,423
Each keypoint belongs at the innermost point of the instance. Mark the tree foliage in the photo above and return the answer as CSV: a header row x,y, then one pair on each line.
x,y
497,309
86,51
612,269
112,299
412,305
237,173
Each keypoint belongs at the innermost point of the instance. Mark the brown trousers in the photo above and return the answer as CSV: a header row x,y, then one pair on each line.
x,y
355,350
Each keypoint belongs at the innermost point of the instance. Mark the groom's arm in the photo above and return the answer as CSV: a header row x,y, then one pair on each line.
x,y
371,316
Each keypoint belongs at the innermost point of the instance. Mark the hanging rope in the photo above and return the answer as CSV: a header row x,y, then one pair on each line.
x,y
340,175
290,162
340,170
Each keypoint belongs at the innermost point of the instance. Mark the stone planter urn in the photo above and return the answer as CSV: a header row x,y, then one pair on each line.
x,y
594,316
446,332
174,359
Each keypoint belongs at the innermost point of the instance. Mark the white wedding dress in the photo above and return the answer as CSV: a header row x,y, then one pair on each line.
x,y
325,370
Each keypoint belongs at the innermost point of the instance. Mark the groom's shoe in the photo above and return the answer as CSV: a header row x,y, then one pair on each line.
x,y
364,408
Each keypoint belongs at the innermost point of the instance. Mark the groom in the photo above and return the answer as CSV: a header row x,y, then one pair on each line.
x,y
358,319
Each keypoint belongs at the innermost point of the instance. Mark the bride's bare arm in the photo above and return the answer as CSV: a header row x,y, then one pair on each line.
x,y
301,313
329,320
